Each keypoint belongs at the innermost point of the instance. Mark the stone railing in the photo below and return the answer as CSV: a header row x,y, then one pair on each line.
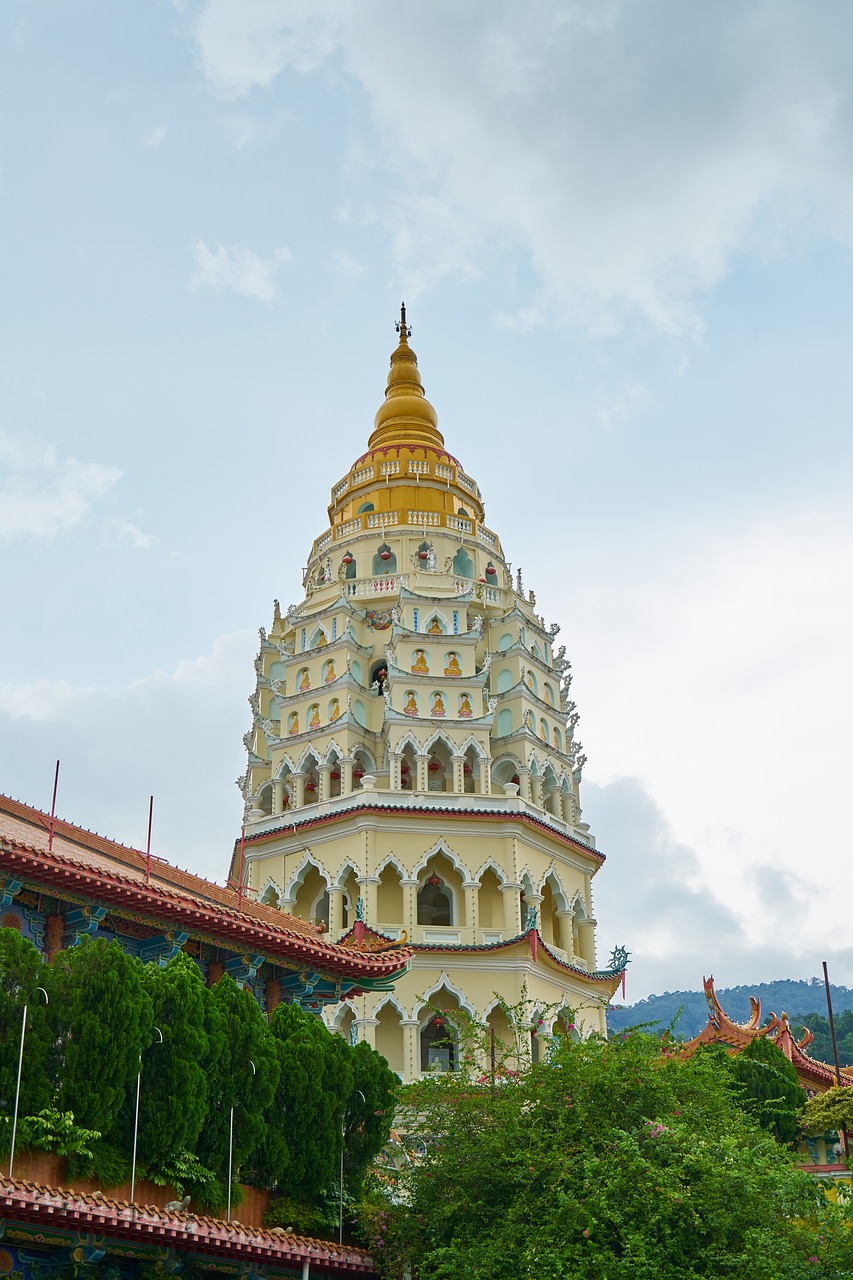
x,y
457,523
424,518
359,477
381,519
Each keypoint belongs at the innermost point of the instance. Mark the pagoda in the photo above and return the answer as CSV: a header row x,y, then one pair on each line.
x,y
413,772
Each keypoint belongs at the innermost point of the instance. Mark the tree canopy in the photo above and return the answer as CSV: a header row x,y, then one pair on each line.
x,y
612,1161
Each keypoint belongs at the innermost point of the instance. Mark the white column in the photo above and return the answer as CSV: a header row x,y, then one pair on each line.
x,y
336,910
458,776
277,795
423,775
586,941
472,915
346,775
367,889
323,772
533,900
299,793
486,775
564,930
524,783
394,780
367,1030
536,790
410,906
411,1049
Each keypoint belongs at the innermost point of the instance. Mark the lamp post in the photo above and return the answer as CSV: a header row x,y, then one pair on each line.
x,y
136,1119
341,1205
231,1147
20,1066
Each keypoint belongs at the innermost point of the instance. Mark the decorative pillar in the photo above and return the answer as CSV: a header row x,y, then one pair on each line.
x,y
532,902
423,773
564,939
336,910
367,1030
458,775
394,776
472,915
486,775
586,941
411,1048
524,783
367,889
278,795
410,906
299,792
54,936
346,775
536,790
323,772
512,909
215,971
273,994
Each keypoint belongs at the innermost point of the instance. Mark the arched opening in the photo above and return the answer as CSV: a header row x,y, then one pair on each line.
x,y
264,801
365,506
551,793
311,788
309,895
558,739
531,682
344,1025
319,639
463,565
355,670
335,778
389,897
378,675
303,680
504,726
490,901
498,1025
408,768
549,922
330,671
440,897
278,671
384,561
505,771
565,1026
504,680
436,626
269,897
472,781
440,767
362,764
420,662
439,1036
549,695
506,642
349,896
389,1037
543,730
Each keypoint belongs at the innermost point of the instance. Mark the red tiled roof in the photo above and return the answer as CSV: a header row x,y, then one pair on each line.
x,y
117,1219
113,874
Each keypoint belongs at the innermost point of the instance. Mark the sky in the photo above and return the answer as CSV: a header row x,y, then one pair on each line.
x,y
624,236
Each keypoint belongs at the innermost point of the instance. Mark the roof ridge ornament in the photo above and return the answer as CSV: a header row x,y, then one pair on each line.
x,y
404,330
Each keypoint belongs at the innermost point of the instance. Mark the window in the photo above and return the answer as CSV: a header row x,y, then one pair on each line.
x,y
438,1046
365,506
504,722
435,905
463,565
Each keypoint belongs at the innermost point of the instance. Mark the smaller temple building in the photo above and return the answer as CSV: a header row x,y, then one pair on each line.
x,y
60,883
822,1155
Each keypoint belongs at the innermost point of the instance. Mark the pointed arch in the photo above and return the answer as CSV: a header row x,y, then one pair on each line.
x,y
388,999
409,740
343,875
490,865
303,868
319,638
443,981
441,736
472,743
310,758
436,617
392,861
270,894
552,879
441,848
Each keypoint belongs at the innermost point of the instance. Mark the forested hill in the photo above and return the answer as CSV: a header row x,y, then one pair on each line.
x,y
687,1011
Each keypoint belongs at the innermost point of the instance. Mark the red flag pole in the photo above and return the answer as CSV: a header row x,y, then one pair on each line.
x,y
148,846
240,882
53,809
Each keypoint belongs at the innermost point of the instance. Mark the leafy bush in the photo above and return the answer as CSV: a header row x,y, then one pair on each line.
x,y
301,1219
107,1165
49,1130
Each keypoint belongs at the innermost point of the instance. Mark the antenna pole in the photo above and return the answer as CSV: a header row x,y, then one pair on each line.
x,y
53,810
148,846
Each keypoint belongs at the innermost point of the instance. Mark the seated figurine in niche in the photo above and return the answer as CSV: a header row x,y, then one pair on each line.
x,y
304,680
465,711
411,704
334,710
293,722
437,710
329,672
435,628
453,668
420,663
314,713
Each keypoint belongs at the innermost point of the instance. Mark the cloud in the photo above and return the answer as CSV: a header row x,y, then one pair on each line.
x,y
628,152
650,897
127,529
42,494
181,740
239,269
154,137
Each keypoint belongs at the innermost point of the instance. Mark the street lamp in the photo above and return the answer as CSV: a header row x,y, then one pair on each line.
x,y
18,1086
231,1147
136,1119
341,1205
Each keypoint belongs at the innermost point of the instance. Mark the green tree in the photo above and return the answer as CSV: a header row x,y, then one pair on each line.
x,y
173,1101
821,1047
305,1123
831,1111
21,972
612,1161
104,1017
370,1111
770,1088
237,1037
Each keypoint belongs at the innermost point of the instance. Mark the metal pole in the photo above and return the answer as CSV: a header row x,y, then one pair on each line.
x,y
834,1050
341,1204
53,809
20,1066
136,1119
230,1161
18,1089
242,860
148,846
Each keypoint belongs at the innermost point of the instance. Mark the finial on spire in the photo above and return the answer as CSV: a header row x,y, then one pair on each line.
x,y
404,330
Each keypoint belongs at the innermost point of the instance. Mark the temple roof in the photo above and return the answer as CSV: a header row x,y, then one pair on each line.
x,y
91,867
735,1036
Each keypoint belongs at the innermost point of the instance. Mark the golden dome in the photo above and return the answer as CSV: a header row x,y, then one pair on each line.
x,y
405,416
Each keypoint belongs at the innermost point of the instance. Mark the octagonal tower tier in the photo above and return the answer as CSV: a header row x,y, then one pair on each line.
x,y
413,770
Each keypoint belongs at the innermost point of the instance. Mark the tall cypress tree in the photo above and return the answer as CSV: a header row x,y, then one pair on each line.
x,y
770,1088
104,1019
237,1036
370,1111
173,1100
21,972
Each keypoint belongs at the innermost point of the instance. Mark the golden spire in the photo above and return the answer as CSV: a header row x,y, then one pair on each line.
x,y
405,416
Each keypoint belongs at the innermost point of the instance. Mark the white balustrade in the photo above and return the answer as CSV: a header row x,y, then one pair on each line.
x,y
389,468
381,519
340,489
488,536
446,473
418,466
460,525
467,482
359,477
351,526
324,542
424,518
360,587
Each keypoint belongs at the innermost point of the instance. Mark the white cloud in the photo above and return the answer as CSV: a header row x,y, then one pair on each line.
x,y
181,740
127,529
155,136
42,494
629,151
239,269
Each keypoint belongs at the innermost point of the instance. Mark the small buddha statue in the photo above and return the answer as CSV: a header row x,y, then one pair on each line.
x,y
453,668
